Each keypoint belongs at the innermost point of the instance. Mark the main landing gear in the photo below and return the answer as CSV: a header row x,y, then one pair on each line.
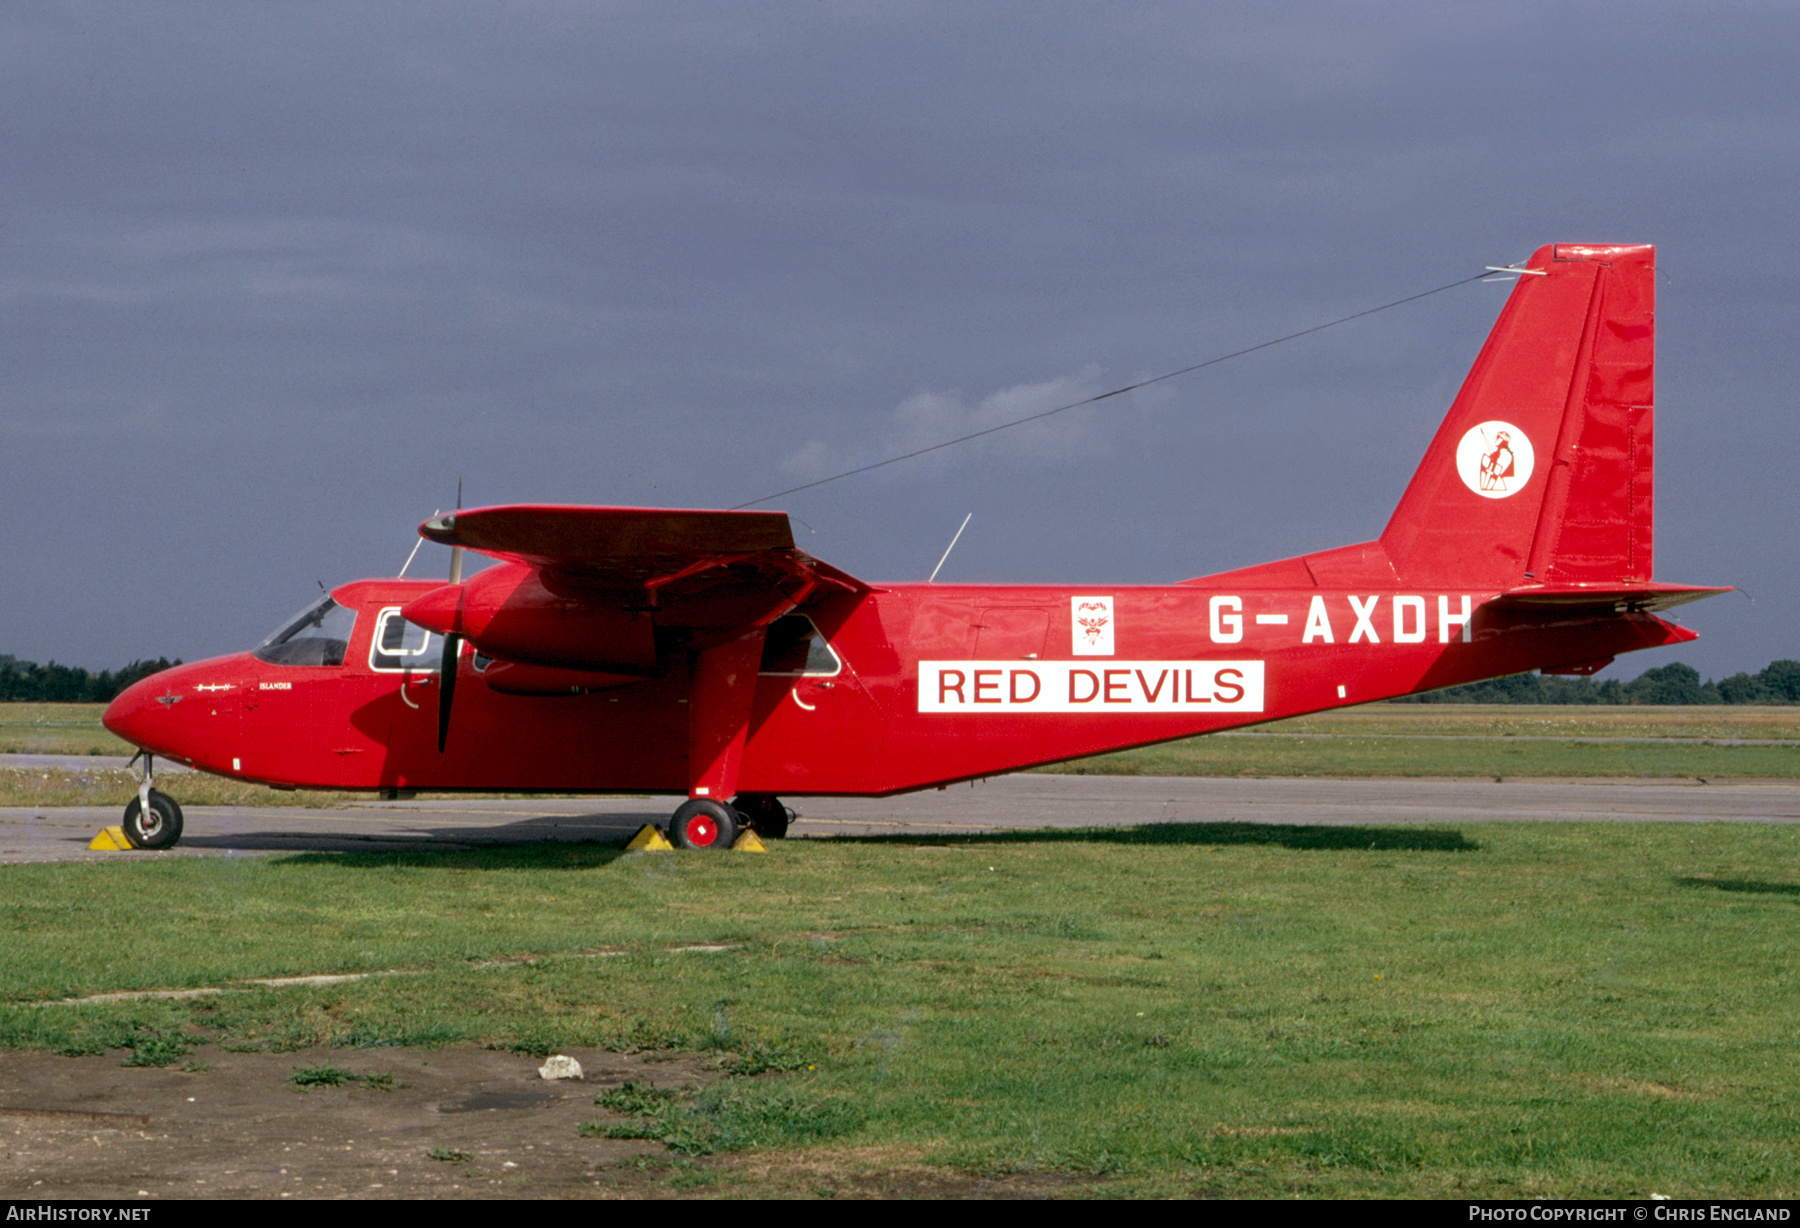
x,y
764,813
702,823
152,819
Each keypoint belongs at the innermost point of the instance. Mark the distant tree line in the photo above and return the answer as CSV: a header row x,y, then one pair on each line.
x,y
1776,683
29,682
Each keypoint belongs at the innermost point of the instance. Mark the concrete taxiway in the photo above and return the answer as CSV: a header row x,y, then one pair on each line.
x,y
1009,802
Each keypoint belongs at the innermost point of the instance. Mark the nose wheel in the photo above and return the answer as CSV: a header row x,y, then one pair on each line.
x,y
152,818
157,827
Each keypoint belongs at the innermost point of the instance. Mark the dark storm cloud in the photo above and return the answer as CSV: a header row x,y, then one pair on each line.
x,y
275,276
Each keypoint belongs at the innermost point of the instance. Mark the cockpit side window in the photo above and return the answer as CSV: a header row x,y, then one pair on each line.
x,y
793,646
400,645
318,635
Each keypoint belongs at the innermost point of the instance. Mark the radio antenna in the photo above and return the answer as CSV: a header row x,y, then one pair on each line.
x,y
415,549
949,548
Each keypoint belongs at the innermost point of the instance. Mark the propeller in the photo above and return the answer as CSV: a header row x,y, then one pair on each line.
x,y
452,644
447,685
456,551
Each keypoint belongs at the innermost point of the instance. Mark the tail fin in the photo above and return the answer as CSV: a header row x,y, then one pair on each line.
x,y
1541,473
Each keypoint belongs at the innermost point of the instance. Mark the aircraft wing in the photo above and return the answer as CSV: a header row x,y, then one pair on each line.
x,y
631,547
712,571
608,540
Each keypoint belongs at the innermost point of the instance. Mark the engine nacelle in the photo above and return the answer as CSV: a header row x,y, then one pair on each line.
x,y
508,612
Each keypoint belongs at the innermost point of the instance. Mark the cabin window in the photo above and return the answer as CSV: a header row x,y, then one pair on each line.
x,y
400,645
318,635
795,647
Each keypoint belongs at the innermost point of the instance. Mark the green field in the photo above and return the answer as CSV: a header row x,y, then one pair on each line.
x,y
56,729
1514,1010
1484,740
1509,1010
1350,754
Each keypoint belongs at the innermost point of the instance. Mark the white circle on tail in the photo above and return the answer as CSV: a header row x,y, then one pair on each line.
x,y
1495,459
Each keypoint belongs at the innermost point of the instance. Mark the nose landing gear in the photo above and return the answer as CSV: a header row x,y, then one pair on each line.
x,y
152,818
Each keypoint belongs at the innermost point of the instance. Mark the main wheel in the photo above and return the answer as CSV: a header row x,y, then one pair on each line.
x,y
159,829
764,813
702,823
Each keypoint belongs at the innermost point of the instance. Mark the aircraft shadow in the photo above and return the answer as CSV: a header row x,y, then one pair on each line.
x,y
605,832
1752,886
543,855
1416,839
576,842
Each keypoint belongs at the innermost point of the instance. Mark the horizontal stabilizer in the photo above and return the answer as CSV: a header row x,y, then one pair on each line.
x,y
1631,598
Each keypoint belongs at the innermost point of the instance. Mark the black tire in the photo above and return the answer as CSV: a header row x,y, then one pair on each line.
x,y
764,814
702,823
160,829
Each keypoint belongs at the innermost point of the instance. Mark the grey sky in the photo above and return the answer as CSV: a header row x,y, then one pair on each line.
x,y
275,275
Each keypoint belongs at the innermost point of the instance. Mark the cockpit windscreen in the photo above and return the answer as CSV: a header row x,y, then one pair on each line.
x,y
318,635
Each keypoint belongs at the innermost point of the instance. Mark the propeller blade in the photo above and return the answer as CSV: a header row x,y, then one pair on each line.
x,y
447,685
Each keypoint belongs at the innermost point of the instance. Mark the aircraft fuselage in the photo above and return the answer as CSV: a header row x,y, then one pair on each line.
x,y
917,685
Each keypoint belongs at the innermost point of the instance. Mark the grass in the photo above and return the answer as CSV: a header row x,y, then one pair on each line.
x,y
1416,755
320,1076
1477,1011
327,1075
1505,740
49,787
57,729
737,1115
631,1099
1546,720
1508,1010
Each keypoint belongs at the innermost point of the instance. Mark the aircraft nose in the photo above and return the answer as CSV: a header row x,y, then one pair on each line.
x,y
132,716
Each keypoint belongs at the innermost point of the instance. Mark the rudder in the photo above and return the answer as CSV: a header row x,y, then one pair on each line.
x,y
1542,470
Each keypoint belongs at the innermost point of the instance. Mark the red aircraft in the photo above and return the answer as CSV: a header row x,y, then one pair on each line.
x,y
700,653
